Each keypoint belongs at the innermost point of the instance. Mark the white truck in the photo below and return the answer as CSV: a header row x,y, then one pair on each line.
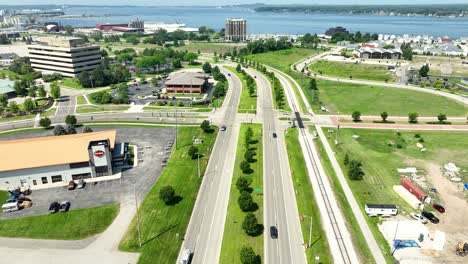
x,y
186,256
10,207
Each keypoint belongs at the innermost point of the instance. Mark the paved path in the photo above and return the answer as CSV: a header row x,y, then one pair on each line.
x,y
206,228
280,207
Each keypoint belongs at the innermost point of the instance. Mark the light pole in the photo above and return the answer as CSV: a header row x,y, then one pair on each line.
x,y
310,232
198,157
176,127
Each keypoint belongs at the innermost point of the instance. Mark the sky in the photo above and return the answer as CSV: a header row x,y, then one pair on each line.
x,y
228,2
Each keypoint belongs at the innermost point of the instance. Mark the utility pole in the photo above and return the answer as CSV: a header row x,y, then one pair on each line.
x,y
337,134
198,156
310,232
138,215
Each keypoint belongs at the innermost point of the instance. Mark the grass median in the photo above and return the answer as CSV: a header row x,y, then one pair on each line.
x,y
247,104
87,109
160,223
72,225
306,202
234,236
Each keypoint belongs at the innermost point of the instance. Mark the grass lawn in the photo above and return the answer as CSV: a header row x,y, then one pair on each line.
x,y
357,71
159,222
178,108
210,47
247,104
283,59
101,108
305,201
49,112
72,225
234,236
16,118
378,151
72,83
81,100
344,98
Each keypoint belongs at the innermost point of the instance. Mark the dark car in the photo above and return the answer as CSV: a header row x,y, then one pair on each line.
x,y
223,128
439,208
54,207
430,217
64,206
71,185
274,135
229,74
273,232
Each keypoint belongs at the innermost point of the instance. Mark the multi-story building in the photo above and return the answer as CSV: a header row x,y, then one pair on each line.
x,y
186,82
236,29
67,56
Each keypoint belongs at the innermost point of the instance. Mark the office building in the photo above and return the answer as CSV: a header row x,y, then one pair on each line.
x,y
186,82
67,56
236,29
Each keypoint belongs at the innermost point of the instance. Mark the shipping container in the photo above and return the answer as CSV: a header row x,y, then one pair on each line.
x,y
408,197
413,189
381,209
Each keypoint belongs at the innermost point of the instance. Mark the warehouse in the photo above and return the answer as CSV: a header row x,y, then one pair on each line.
x,y
55,160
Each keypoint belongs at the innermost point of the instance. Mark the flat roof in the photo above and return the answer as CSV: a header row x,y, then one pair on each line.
x,y
187,78
27,153
381,206
6,86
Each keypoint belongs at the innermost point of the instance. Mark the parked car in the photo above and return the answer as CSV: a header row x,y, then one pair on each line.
x,y
64,206
439,208
223,128
54,207
274,135
419,217
71,185
81,184
273,232
431,217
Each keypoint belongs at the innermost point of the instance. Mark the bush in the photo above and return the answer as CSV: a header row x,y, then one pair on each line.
x,y
354,170
243,183
167,194
45,122
249,155
205,126
245,166
70,120
246,203
251,226
356,115
59,130
193,151
248,256
413,117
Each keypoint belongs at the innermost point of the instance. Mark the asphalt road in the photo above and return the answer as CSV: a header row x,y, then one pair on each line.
x,y
205,231
280,207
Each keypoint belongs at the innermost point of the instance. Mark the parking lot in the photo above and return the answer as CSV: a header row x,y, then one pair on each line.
x,y
152,149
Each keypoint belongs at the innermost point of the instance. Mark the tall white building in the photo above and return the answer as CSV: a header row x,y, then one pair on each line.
x,y
67,56
236,29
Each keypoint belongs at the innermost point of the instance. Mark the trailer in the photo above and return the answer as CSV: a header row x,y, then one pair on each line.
x,y
414,190
381,209
408,197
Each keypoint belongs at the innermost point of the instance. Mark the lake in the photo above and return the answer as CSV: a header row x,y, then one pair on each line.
x,y
267,22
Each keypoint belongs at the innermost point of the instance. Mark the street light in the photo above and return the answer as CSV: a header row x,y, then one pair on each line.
x,y
310,232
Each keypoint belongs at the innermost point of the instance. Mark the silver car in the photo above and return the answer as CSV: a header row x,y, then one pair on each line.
x,y
419,217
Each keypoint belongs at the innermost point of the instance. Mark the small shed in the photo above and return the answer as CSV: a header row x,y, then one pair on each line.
x,y
381,209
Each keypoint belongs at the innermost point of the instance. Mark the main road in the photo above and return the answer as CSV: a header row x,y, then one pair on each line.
x,y
205,231
280,207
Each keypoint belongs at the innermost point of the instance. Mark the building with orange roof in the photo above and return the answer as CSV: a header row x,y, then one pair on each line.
x,y
56,159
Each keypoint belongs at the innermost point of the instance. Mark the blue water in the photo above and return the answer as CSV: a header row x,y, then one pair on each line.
x,y
258,23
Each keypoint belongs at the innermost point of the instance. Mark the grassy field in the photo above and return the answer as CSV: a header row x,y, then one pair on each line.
x,y
378,151
247,104
283,59
159,222
344,98
72,225
305,201
234,236
81,100
71,83
358,238
16,118
210,47
357,71
101,108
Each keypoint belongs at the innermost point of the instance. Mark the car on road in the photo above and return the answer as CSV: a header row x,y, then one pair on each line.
x,y
273,232
274,135
64,206
419,217
229,74
54,207
81,184
223,128
439,208
71,185
431,217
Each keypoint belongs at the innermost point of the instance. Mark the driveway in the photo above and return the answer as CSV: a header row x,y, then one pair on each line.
x,y
151,144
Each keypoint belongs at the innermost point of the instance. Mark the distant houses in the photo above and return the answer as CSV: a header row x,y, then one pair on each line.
x,y
376,53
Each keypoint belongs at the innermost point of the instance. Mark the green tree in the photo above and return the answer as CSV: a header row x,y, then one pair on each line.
x,y
413,117
205,126
346,159
206,67
3,100
45,122
248,256
313,84
250,225
238,68
442,117
424,70
70,120
176,63
243,183
55,90
356,115
246,203
29,104
87,129
355,171
154,81
249,155
193,152
384,116
70,130
180,103
167,194
41,91
59,130
13,107
245,166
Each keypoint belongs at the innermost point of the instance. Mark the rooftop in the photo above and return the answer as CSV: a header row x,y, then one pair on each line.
x,y
6,86
49,151
64,42
187,78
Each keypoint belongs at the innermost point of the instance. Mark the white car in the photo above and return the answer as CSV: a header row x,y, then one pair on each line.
x,y
419,217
